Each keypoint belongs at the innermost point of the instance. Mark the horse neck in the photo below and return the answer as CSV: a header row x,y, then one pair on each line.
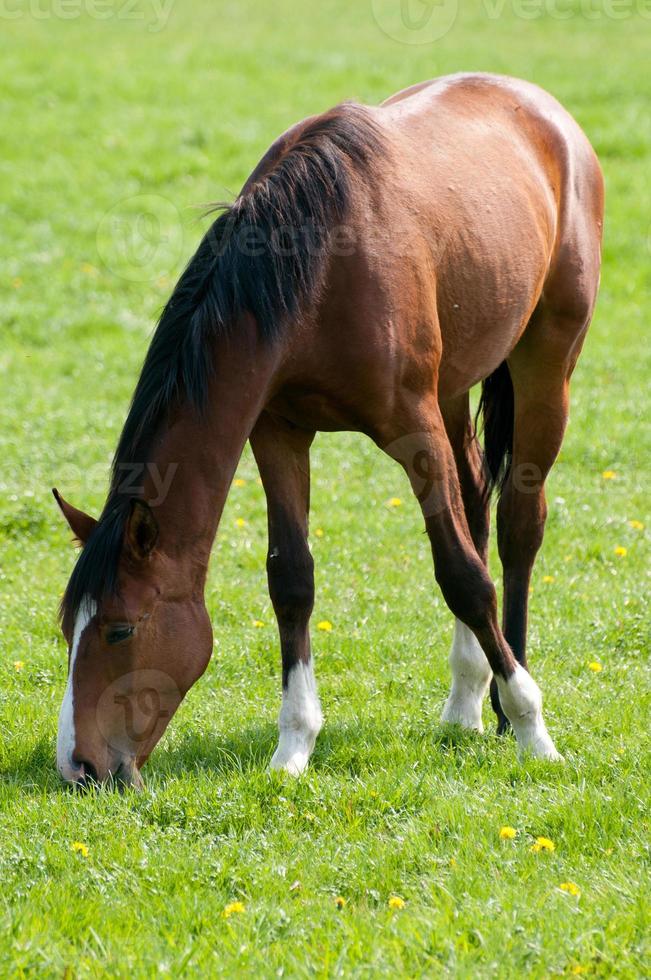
x,y
191,467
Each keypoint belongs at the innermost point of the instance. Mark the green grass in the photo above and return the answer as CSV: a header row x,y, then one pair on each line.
x,y
99,111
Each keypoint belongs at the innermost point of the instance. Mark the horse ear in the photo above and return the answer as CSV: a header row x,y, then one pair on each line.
x,y
82,525
141,532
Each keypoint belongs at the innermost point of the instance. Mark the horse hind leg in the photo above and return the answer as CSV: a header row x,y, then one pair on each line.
x,y
540,368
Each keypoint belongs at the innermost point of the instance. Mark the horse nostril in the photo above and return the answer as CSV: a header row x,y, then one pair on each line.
x,y
88,773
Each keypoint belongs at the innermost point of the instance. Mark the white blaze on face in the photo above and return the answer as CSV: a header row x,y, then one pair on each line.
x,y
521,702
66,731
300,720
471,676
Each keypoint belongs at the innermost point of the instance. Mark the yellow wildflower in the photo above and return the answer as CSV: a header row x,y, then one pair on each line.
x,y
319,532
507,833
395,902
636,525
239,482
17,282
620,551
570,888
394,502
549,578
577,970
453,862
258,623
340,901
233,908
18,664
595,667
325,625
543,844
80,848
240,522
609,475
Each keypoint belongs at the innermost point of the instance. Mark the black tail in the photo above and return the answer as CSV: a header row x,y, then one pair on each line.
x,y
496,407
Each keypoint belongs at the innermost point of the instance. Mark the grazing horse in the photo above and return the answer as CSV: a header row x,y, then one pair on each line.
x,y
378,263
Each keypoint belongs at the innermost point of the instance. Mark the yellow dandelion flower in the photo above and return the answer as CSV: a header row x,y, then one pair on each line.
x,y
233,908
549,578
595,667
258,623
453,862
239,482
240,522
620,551
636,525
394,502
570,888
340,901
80,848
319,532
395,902
577,970
507,833
18,664
543,844
609,475
325,625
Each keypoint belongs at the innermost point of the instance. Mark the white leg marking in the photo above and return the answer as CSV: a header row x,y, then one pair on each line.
x,y
66,731
471,675
521,702
300,721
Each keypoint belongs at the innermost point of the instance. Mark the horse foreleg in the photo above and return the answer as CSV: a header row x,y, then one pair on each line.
x,y
419,441
471,672
282,454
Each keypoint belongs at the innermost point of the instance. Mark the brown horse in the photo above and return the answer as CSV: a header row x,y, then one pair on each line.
x,y
377,264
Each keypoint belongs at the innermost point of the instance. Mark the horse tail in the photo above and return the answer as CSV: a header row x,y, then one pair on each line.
x,y
496,410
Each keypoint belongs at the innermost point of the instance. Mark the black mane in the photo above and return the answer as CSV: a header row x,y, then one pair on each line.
x,y
264,255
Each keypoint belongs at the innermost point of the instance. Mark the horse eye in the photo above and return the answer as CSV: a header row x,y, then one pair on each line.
x,y
119,633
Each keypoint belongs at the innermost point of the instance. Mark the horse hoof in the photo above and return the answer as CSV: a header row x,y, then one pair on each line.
x,y
503,726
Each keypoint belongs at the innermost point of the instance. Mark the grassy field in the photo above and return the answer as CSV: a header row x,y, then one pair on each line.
x,y
98,113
